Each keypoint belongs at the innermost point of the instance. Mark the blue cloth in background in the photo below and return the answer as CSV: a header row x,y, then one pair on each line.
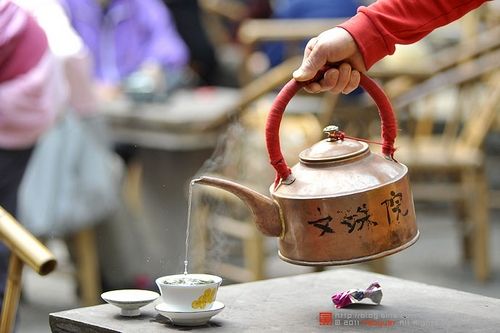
x,y
315,8
306,9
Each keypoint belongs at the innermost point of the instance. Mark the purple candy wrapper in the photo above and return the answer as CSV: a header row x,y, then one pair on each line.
x,y
345,298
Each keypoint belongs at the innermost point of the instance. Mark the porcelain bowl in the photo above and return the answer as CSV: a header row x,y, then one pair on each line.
x,y
189,292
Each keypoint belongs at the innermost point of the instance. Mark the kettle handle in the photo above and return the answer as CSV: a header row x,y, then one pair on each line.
x,y
386,113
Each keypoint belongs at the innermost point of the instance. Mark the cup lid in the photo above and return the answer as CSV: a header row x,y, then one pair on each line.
x,y
328,150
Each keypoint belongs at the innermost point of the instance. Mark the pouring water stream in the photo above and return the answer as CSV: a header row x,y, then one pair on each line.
x,y
191,184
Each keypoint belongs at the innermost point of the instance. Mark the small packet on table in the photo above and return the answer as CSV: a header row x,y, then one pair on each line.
x,y
351,296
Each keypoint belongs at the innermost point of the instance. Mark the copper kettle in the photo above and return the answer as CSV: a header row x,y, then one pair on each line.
x,y
341,203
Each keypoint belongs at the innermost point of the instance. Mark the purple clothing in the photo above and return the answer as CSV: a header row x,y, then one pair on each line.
x,y
126,35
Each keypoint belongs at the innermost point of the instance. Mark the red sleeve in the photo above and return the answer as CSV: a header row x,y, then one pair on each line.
x,y
380,26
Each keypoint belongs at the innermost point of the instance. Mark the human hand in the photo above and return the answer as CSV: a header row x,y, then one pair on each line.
x,y
332,46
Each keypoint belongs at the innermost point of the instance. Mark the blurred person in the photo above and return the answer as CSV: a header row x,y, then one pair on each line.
x,y
203,56
137,54
134,46
129,40
203,61
69,51
61,210
30,96
371,35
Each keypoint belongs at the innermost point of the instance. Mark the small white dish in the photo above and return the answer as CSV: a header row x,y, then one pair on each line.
x,y
190,318
130,300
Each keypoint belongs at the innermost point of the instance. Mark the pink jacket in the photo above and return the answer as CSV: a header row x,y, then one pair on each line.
x,y
28,84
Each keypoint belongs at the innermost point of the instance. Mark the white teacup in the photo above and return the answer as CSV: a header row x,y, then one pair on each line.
x,y
190,292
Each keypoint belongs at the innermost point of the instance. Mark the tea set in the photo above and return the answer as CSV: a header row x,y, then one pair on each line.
x,y
341,204
186,299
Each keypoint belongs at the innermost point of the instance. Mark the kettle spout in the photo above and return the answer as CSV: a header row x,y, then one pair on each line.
x,y
266,212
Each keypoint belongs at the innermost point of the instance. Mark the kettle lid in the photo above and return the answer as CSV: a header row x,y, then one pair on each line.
x,y
334,148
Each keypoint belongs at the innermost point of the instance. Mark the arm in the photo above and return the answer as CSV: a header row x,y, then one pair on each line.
x,y
378,28
372,34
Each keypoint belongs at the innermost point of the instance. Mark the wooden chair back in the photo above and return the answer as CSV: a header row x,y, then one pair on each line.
x,y
469,94
400,78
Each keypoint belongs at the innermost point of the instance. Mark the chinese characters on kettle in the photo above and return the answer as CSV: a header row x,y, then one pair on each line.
x,y
355,221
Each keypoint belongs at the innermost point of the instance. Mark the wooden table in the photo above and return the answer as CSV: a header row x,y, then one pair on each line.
x,y
294,304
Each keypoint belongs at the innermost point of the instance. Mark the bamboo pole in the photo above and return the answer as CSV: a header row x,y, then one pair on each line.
x,y
25,249
24,245
12,293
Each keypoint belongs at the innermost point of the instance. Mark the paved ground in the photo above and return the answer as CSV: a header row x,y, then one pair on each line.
x,y
434,259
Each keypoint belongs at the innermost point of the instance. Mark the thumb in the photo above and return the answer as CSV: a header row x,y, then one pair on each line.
x,y
329,47
315,57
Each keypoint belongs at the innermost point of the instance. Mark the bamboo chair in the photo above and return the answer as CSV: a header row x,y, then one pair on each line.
x,y
25,249
84,247
397,79
254,32
445,155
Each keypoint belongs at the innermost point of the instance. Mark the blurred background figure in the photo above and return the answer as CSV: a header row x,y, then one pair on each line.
x,y
138,56
53,196
29,100
135,48
72,56
134,44
202,60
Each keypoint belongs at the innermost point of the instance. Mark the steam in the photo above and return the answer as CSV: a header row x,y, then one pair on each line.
x,y
207,244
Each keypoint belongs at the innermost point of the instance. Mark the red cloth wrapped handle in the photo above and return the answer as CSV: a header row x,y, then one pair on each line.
x,y
386,113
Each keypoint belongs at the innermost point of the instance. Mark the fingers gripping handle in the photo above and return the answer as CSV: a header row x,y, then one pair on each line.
x,y
386,113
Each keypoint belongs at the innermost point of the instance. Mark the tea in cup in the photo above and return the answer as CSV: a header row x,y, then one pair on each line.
x,y
189,292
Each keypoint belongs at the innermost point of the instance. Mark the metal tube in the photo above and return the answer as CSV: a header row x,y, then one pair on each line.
x,y
12,293
24,245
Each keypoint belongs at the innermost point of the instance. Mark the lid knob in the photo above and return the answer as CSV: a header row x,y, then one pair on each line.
x,y
333,133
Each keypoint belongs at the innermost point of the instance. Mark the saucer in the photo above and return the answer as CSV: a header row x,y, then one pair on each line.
x,y
130,300
191,318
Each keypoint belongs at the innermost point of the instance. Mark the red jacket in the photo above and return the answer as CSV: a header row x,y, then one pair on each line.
x,y
379,27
